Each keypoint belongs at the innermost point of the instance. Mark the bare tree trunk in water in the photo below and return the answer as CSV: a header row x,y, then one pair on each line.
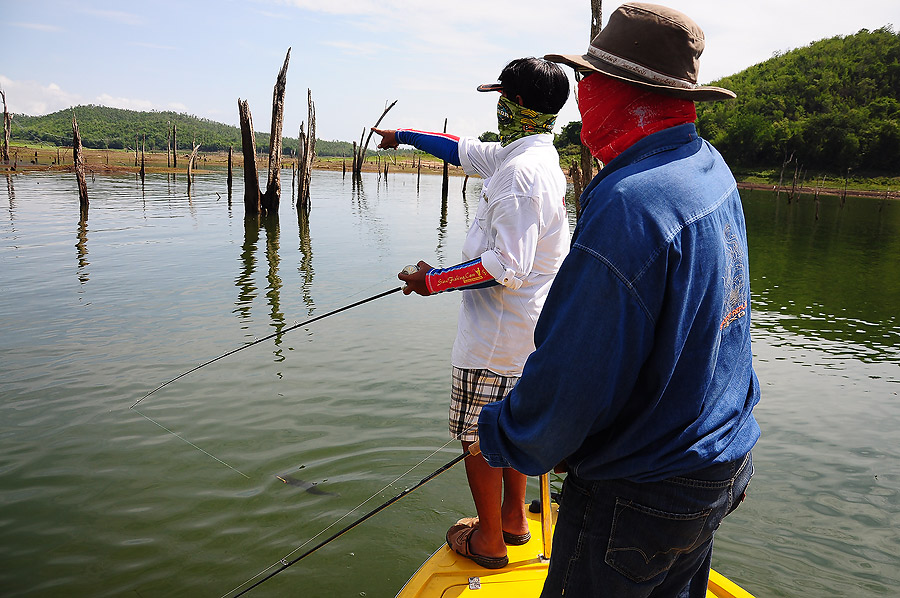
x,y
596,18
78,158
7,123
307,153
587,162
248,147
270,200
787,160
577,185
190,168
230,168
445,180
363,148
174,146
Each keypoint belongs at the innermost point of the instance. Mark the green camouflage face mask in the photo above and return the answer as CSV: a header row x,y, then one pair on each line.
x,y
515,122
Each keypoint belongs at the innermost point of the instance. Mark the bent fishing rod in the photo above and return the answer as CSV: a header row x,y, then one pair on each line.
x,y
285,563
265,338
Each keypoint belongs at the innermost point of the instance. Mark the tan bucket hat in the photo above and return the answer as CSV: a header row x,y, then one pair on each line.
x,y
651,46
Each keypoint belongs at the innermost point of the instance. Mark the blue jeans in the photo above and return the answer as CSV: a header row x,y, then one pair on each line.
x,y
623,539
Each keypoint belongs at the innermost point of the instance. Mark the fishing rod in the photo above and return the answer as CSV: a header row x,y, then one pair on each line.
x,y
265,338
285,564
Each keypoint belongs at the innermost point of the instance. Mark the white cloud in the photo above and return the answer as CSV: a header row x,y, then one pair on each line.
x,y
38,27
117,16
357,48
31,97
154,46
105,99
36,99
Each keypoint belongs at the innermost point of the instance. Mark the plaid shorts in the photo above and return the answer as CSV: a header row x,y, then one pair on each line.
x,y
470,391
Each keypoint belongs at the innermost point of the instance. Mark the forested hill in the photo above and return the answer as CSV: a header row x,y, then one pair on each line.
x,y
834,104
102,127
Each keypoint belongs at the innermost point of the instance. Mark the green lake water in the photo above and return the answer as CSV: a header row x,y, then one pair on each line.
x,y
182,497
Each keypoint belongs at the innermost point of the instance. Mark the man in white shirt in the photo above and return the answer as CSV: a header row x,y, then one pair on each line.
x,y
510,256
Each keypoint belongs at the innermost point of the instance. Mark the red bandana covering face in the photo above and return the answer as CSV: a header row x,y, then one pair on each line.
x,y
615,114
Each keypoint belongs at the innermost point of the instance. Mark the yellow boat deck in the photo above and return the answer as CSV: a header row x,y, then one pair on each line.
x,y
447,575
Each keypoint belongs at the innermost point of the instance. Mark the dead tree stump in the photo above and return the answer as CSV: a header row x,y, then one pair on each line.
x,y
190,167
78,158
230,168
248,147
7,124
306,154
445,180
587,160
271,198
360,158
174,146
256,202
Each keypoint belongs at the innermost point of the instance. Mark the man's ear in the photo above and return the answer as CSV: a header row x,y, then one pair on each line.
x,y
519,101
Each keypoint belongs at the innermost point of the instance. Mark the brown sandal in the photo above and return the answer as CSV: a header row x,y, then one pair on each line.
x,y
458,538
509,538
516,539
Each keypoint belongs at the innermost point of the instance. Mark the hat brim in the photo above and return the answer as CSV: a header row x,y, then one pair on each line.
x,y
585,62
491,87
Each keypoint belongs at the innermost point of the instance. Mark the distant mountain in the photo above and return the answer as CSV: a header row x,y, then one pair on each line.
x,y
834,105
115,128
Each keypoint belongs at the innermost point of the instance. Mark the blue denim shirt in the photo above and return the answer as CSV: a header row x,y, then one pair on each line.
x,y
642,368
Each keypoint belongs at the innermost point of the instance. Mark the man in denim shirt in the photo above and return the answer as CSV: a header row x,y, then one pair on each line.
x,y
641,384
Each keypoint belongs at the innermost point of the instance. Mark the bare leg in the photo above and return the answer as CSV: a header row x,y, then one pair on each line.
x,y
512,513
486,484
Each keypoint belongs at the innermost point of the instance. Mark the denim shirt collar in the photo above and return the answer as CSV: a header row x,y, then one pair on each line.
x,y
648,146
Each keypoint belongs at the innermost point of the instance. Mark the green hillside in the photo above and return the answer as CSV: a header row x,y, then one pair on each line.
x,y
102,127
834,104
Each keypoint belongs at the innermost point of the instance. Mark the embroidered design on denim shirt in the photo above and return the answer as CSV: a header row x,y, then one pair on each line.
x,y
735,280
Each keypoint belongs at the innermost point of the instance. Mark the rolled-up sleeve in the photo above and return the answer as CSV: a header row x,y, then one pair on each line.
x,y
515,227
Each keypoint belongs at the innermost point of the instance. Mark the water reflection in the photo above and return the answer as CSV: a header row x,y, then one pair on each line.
x,y
358,194
81,248
273,289
10,191
245,282
827,272
305,268
246,278
442,230
466,205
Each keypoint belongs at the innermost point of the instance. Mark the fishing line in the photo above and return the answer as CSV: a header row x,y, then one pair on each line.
x,y
265,338
150,419
284,563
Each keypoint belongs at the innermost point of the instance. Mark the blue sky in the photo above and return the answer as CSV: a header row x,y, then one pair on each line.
x,y
355,55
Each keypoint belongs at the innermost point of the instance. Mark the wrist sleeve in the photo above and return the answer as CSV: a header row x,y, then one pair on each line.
x,y
469,275
441,145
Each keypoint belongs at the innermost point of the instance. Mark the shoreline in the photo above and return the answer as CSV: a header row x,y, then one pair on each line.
x,y
53,159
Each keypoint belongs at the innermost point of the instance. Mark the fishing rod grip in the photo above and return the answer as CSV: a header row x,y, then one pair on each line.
x,y
475,448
